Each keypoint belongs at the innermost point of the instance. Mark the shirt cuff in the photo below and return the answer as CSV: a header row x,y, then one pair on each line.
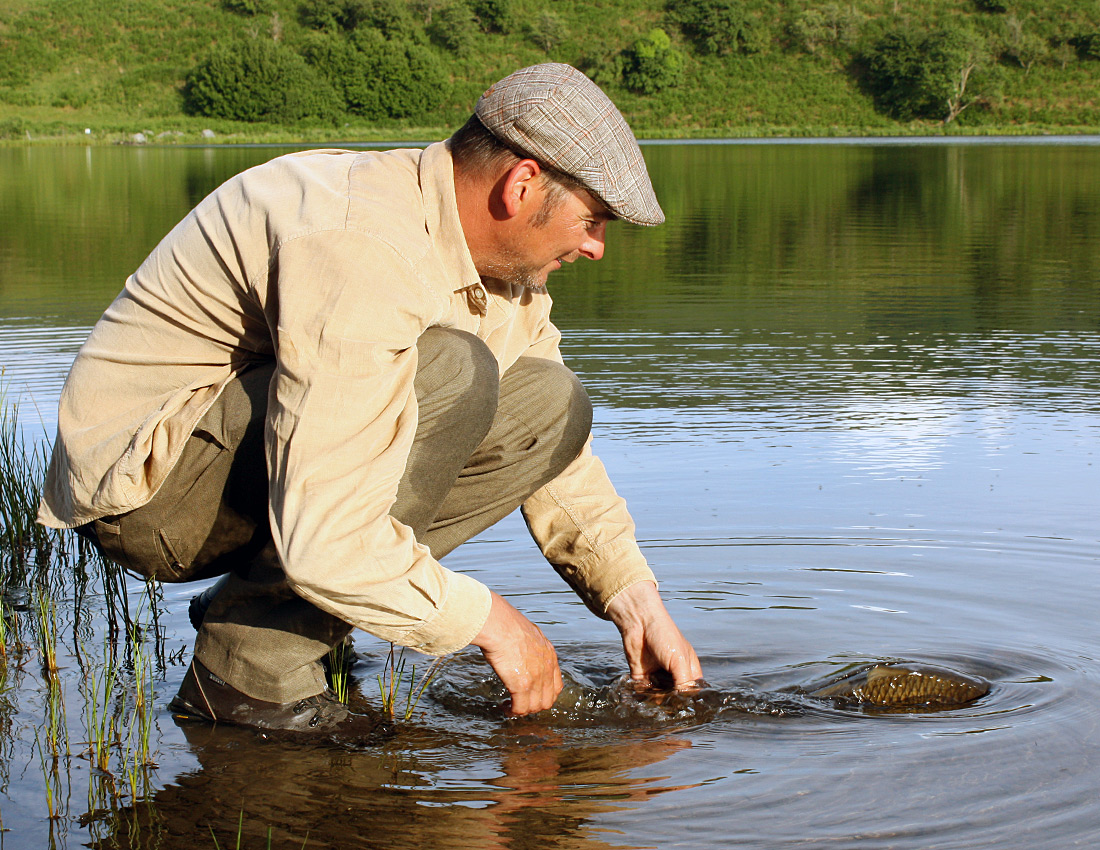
x,y
606,573
462,614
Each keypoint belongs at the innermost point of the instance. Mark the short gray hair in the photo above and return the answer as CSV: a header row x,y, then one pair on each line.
x,y
477,151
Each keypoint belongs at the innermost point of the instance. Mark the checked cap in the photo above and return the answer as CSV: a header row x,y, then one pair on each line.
x,y
558,116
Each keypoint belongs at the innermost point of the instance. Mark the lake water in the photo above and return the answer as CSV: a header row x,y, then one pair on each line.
x,y
851,393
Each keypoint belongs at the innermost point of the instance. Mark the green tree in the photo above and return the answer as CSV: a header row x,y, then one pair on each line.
x,y
652,63
493,15
378,78
393,18
547,30
258,80
324,15
1021,45
935,74
829,25
1088,45
718,26
454,28
249,7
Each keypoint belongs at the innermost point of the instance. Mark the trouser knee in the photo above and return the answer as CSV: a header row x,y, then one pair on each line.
x,y
457,388
455,369
555,406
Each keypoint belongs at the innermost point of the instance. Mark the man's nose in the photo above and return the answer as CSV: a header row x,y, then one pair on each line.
x,y
593,246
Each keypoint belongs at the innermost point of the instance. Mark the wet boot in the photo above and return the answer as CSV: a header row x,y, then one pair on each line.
x,y
205,696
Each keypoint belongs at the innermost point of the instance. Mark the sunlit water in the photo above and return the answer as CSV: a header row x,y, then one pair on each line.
x,y
851,395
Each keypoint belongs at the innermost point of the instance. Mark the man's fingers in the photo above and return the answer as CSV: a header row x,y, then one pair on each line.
x,y
656,650
535,699
522,657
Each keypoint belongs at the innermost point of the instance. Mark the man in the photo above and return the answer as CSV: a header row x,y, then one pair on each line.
x,y
340,366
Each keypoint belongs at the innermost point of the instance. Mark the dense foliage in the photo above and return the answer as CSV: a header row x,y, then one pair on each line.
x,y
258,80
652,63
675,67
934,74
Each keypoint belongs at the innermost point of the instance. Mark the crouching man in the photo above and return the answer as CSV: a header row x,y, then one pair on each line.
x,y
339,367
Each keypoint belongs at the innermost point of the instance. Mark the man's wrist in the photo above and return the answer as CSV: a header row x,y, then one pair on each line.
x,y
633,605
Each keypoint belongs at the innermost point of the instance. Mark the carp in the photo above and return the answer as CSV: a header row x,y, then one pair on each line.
x,y
903,687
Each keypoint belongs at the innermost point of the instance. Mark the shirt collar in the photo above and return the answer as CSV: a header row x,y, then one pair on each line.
x,y
437,183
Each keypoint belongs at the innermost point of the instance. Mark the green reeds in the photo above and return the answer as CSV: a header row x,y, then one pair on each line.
x,y
240,835
392,681
100,716
138,755
21,474
338,671
10,639
46,617
119,722
32,554
55,586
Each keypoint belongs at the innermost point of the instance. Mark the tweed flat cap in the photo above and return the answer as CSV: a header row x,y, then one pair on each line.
x,y
558,116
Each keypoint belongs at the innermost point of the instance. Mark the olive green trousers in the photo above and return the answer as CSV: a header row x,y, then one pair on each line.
x,y
483,444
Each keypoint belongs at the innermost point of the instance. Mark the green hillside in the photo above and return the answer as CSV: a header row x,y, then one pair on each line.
x,y
374,69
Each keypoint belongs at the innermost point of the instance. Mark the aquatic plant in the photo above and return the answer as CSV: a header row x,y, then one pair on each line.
x,y
391,682
240,835
22,470
338,671
46,613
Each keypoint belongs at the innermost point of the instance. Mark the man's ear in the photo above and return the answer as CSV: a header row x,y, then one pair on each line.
x,y
519,186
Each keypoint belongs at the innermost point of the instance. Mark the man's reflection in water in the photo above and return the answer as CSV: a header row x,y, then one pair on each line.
x,y
530,787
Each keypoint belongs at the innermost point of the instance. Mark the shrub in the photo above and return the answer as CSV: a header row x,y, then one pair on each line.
x,y
392,18
1088,45
257,80
831,24
652,63
1021,46
377,78
547,30
13,128
997,7
455,28
248,7
718,26
493,15
324,15
934,74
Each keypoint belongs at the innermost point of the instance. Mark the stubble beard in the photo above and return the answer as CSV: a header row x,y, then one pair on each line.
x,y
514,271
510,267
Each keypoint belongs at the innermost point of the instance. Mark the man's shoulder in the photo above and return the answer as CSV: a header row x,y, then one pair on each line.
x,y
310,193
385,197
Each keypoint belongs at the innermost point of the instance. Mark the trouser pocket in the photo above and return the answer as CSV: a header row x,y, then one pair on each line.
x,y
210,514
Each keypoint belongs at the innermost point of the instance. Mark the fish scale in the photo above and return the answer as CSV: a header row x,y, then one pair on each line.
x,y
897,686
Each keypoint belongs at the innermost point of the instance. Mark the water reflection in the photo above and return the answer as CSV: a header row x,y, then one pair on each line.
x,y
851,393
529,787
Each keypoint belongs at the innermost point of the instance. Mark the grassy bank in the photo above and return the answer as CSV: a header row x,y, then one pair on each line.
x,y
751,68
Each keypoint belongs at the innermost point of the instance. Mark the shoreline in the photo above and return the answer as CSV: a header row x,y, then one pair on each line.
x,y
420,136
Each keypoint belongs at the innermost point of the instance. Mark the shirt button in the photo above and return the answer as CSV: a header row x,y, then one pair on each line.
x,y
477,299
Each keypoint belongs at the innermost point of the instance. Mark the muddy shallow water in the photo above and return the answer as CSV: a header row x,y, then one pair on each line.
x,y
850,393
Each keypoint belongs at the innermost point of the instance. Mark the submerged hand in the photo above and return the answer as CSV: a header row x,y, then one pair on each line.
x,y
521,655
651,640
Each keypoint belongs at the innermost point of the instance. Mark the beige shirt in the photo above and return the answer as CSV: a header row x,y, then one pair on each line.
x,y
334,263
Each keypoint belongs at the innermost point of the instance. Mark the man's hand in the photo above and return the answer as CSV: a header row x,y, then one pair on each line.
x,y
522,656
652,642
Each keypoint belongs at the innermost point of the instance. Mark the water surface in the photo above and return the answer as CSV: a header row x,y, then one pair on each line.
x,y
851,394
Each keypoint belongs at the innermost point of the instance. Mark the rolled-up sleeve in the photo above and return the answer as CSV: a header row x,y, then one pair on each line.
x,y
346,311
580,522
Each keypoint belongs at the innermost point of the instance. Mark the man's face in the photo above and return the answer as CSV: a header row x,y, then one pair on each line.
x,y
573,226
